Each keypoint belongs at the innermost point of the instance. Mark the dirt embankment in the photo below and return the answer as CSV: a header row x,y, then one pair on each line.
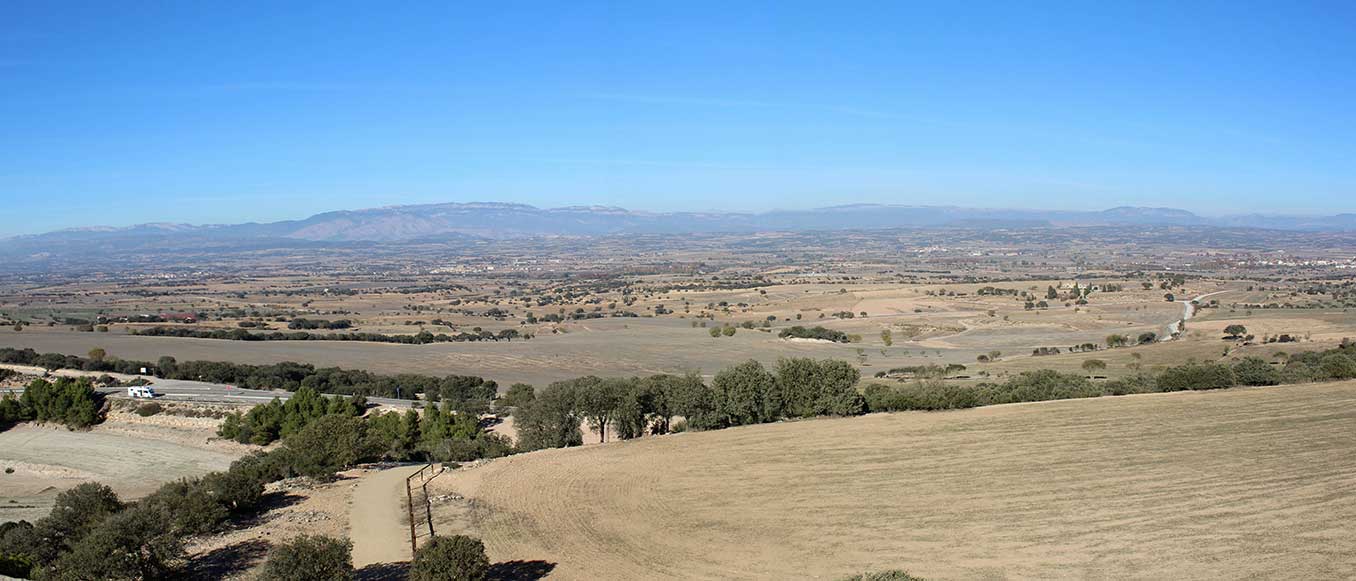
x,y
132,454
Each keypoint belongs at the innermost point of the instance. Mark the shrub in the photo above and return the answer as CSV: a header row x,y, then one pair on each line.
x,y
1196,376
892,575
310,558
454,558
1256,371
1337,366
816,332
327,445
136,543
747,394
927,395
148,409
815,388
1041,385
1137,383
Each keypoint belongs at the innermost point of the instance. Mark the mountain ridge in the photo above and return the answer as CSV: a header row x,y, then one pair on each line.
x,y
504,219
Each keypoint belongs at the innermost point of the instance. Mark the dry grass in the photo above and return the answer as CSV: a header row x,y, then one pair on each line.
x,y
1246,483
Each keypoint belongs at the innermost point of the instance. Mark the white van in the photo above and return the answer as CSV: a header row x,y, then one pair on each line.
x,y
141,391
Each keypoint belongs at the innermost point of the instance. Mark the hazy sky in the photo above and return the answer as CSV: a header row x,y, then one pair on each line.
x,y
212,112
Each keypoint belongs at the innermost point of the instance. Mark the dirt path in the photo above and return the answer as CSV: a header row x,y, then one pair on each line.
x,y
377,524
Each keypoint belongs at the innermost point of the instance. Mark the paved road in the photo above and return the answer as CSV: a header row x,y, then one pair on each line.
x,y
183,390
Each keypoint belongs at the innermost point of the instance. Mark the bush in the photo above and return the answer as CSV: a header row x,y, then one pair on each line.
x,y
1041,385
799,332
148,409
1337,366
310,558
926,395
136,543
816,388
1196,376
327,445
1256,371
892,575
454,558
1137,383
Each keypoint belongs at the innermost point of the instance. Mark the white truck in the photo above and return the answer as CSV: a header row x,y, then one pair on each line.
x,y
141,392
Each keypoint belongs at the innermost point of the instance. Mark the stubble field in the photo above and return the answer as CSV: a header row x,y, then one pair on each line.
x,y
1246,483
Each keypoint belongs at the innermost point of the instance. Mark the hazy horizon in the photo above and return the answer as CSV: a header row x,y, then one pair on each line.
x,y
116,115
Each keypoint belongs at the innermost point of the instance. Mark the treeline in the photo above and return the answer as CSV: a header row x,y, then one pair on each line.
x,y
465,392
92,534
743,394
798,332
70,402
300,323
1333,364
421,338
445,433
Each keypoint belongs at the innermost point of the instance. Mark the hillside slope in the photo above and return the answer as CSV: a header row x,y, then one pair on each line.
x,y
1247,483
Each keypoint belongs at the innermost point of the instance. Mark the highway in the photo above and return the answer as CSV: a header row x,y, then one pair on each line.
x,y
193,391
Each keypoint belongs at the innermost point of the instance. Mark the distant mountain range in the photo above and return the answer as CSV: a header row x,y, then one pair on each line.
x,y
452,221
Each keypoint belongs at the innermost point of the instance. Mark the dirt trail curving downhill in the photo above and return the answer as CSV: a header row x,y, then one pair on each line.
x,y
377,523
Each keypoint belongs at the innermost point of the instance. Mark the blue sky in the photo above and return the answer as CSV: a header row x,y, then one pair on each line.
x,y
121,113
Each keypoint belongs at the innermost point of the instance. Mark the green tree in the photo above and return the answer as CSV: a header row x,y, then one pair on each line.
x,y
518,395
1256,371
328,445
1235,331
1092,365
551,420
453,558
742,393
310,558
137,543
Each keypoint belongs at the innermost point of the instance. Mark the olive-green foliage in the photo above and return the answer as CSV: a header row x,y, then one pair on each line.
x,y
74,514
818,388
454,558
1196,376
329,444
746,394
188,506
450,436
892,575
310,558
695,401
1135,383
137,543
551,420
72,402
518,395
12,412
922,394
1040,385
278,419
1256,371
1337,366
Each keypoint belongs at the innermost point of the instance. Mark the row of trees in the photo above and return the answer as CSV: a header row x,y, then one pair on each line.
x,y
440,433
1042,385
421,338
463,390
632,407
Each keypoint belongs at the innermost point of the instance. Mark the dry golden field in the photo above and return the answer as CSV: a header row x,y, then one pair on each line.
x,y
1239,484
